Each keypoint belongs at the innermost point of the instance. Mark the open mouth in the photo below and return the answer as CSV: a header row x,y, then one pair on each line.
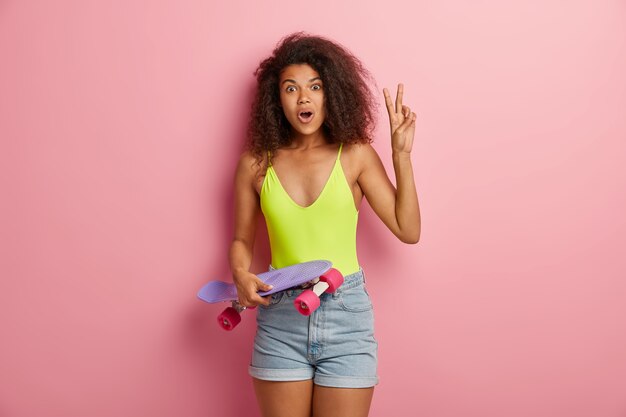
x,y
305,116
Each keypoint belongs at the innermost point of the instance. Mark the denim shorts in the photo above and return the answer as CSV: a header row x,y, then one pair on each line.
x,y
334,346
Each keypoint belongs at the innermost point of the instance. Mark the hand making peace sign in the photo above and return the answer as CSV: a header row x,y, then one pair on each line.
x,y
402,122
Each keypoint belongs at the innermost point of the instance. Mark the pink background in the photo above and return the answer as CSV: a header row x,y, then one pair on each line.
x,y
121,123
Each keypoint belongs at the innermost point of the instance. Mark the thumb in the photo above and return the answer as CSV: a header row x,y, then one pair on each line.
x,y
264,287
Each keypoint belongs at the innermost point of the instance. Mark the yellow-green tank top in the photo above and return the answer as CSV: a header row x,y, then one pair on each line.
x,y
324,230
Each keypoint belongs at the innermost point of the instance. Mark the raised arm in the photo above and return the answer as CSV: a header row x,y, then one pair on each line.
x,y
397,208
247,210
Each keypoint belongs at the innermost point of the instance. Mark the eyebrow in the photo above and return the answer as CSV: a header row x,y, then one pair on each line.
x,y
294,81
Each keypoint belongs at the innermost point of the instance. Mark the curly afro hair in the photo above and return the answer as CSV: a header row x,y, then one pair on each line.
x,y
349,102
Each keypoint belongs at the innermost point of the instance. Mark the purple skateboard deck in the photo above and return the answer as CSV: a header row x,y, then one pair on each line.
x,y
281,279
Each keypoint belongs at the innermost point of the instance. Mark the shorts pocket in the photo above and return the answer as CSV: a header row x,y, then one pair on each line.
x,y
355,300
275,300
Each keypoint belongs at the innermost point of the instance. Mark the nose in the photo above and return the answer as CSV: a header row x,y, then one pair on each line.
x,y
303,98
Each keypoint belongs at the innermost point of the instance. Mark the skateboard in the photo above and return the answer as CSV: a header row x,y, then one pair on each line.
x,y
320,272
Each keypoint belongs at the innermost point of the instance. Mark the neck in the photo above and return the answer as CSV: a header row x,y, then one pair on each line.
x,y
308,141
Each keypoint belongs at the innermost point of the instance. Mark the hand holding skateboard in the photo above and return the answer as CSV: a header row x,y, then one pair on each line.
x,y
248,286
327,279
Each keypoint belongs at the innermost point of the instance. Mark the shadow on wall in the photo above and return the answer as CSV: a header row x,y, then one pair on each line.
x,y
222,358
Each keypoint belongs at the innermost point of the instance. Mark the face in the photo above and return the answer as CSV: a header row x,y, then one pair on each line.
x,y
302,98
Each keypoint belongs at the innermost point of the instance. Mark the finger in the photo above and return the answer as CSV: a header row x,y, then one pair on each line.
x,y
405,124
410,115
266,300
388,102
258,300
406,111
262,286
411,120
399,97
246,302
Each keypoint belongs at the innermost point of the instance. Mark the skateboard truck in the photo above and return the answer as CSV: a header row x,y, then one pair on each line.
x,y
307,302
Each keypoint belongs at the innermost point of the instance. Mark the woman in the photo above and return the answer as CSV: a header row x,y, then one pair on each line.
x,y
308,166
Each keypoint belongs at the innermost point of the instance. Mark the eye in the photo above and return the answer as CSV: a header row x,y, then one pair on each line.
x,y
290,88
316,87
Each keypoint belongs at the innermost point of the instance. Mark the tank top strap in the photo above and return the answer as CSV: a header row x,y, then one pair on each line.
x,y
339,153
269,159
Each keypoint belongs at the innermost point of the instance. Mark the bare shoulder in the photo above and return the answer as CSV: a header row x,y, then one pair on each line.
x,y
249,164
361,150
360,156
250,170
246,161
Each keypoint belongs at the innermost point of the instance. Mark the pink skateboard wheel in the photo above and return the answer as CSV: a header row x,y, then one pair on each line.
x,y
307,303
333,278
229,319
